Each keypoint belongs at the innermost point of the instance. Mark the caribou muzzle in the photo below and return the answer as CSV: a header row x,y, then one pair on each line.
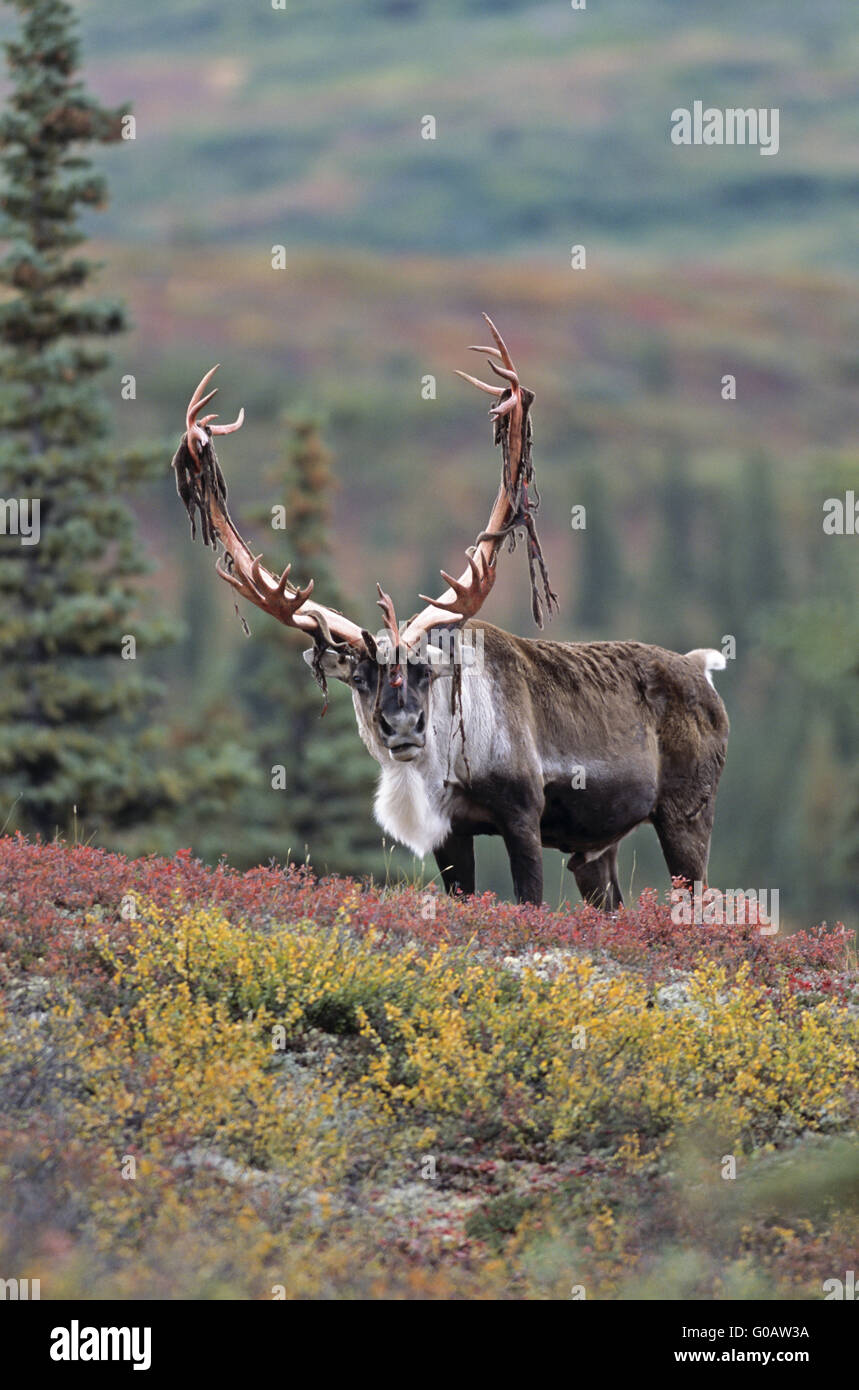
x,y
403,732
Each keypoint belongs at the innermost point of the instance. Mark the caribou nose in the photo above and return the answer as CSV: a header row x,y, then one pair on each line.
x,y
403,727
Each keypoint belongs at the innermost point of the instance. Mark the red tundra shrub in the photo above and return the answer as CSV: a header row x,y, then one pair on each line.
x,y
54,898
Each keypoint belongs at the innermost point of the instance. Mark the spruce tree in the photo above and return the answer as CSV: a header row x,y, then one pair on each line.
x,y
69,620
321,805
673,584
600,569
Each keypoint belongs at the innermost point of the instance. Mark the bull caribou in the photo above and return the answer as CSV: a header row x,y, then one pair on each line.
x,y
568,745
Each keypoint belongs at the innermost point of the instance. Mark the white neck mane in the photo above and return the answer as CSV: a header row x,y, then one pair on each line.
x,y
414,800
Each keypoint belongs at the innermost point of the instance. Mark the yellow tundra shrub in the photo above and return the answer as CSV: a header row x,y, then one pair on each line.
x,y
456,1041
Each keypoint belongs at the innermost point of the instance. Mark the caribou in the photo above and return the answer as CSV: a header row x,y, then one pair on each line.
x,y
564,745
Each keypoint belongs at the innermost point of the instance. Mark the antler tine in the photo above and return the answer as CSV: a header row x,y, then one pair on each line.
x,y
502,346
506,406
195,399
296,595
469,596
256,589
193,428
508,371
481,385
231,428
395,670
282,604
235,581
386,603
256,574
284,582
195,407
287,605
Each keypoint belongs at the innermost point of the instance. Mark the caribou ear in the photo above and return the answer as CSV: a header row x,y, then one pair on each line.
x,y
333,663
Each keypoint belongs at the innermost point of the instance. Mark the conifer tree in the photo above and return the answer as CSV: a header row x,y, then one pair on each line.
x,y
69,622
673,585
600,569
321,804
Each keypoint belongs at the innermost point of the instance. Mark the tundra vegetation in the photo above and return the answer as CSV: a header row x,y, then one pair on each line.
x,y
255,1085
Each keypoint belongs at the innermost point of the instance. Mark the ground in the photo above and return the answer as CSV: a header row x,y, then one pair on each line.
x,y
263,1085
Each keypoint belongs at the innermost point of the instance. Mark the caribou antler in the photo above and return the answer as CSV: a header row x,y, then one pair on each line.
x,y
468,598
200,484
195,431
513,507
386,603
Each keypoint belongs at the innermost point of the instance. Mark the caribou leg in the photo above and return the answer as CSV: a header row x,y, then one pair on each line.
x,y
686,843
525,850
596,879
455,859
526,866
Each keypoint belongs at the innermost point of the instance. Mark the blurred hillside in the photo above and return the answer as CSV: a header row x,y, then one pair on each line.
x,y
302,127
